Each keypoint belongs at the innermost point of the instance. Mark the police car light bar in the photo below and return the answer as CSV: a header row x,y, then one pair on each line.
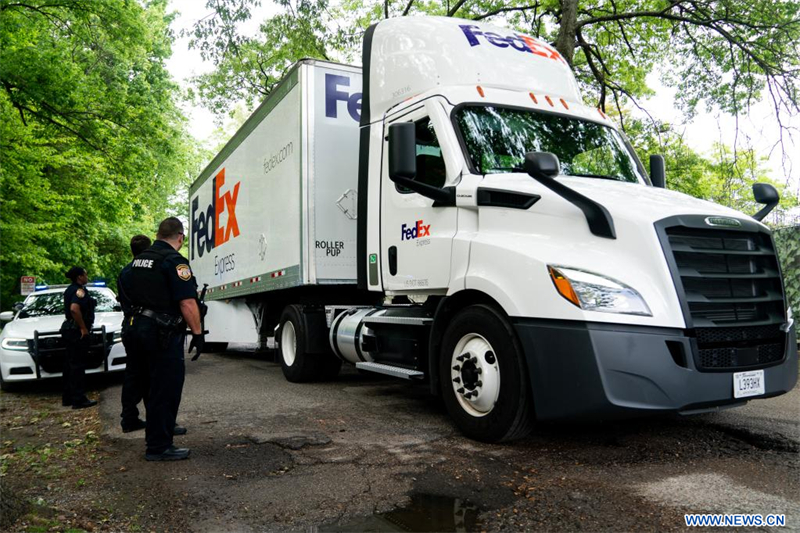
x,y
96,284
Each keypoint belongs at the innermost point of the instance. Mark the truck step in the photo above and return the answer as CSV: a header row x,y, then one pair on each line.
x,y
389,370
398,320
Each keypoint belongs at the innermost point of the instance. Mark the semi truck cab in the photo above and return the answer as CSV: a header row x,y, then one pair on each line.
x,y
623,297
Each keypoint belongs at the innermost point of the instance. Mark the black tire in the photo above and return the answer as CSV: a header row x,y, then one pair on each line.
x,y
298,365
511,416
5,386
216,347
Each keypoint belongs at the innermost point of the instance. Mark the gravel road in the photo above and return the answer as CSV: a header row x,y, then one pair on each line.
x,y
370,454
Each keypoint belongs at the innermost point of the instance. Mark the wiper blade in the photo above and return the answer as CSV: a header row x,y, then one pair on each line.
x,y
598,176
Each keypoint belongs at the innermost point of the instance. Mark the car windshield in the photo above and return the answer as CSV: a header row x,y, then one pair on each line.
x,y
52,303
497,139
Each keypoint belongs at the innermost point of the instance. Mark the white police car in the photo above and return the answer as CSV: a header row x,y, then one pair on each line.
x,y
31,346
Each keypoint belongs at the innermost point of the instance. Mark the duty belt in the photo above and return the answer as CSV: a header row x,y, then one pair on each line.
x,y
162,319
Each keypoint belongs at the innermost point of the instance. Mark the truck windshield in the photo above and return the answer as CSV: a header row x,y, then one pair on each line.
x,y
497,139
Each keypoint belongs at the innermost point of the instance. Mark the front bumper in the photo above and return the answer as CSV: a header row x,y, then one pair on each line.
x,y
18,366
606,371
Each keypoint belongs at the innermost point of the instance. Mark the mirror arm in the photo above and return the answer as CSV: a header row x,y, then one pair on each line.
x,y
442,197
597,216
766,210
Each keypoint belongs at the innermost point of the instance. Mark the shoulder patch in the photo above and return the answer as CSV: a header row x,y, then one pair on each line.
x,y
80,293
184,272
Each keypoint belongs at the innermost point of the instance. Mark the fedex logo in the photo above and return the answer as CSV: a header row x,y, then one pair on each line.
x,y
521,43
415,232
207,233
334,95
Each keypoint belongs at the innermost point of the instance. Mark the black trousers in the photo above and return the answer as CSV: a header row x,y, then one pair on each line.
x,y
74,369
136,381
164,367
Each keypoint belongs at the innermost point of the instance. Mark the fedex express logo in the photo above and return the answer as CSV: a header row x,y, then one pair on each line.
x,y
207,233
521,43
419,229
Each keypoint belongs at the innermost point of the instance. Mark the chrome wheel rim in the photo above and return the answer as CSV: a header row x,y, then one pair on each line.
x,y
475,375
288,343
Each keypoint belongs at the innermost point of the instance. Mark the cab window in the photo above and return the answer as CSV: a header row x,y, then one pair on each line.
x,y
430,163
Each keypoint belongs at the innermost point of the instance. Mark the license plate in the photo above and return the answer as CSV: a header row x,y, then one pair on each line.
x,y
748,383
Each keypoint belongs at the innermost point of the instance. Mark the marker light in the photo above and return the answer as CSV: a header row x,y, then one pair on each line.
x,y
562,286
548,100
593,292
564,103
480,91
533,97
12,343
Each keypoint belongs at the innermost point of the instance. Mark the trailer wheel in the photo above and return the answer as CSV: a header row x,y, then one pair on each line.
x,y
216,346
297,363
483,376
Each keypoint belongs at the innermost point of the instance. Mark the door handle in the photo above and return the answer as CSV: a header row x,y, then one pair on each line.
x,y
393,260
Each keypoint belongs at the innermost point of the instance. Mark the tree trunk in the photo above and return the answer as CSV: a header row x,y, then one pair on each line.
x,y
565,43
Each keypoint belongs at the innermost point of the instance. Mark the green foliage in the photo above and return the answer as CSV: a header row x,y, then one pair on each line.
x,y
248,69
787,240
724,176
94,145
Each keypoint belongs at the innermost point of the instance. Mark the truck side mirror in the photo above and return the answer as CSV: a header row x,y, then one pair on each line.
x,y
7,316
403,165
402,151
657,174
541,165
764,193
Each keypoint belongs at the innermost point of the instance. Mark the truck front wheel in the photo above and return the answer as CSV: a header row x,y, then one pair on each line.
x,y
484,381
297,363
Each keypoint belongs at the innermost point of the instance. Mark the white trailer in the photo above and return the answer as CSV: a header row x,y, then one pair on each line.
x,y
455,214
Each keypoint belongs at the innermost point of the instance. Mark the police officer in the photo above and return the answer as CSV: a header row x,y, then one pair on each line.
x,y
163,294
75,332
135,383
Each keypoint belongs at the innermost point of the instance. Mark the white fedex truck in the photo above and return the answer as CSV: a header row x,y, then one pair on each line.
x,y
453,213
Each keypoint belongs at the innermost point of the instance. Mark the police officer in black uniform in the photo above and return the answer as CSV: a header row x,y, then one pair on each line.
x,y
135,383
163,293
75,332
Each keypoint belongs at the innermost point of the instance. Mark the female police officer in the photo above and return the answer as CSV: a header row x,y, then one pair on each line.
x,y
75,331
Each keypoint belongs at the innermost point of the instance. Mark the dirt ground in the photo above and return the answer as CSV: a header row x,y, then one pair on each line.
x,y
369,454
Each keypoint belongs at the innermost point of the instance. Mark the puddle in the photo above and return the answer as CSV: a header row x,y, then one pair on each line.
x,y
426,512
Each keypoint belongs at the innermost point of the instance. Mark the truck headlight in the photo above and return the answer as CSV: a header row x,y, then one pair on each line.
x,y
117,337
593,292
13,343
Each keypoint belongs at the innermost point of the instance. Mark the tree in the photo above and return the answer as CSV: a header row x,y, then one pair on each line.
x,y
722,175
94,146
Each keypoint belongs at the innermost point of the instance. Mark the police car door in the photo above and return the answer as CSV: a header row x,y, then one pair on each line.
x,y
416,238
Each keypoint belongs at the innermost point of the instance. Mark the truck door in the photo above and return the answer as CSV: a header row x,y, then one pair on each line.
x,y
416,237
